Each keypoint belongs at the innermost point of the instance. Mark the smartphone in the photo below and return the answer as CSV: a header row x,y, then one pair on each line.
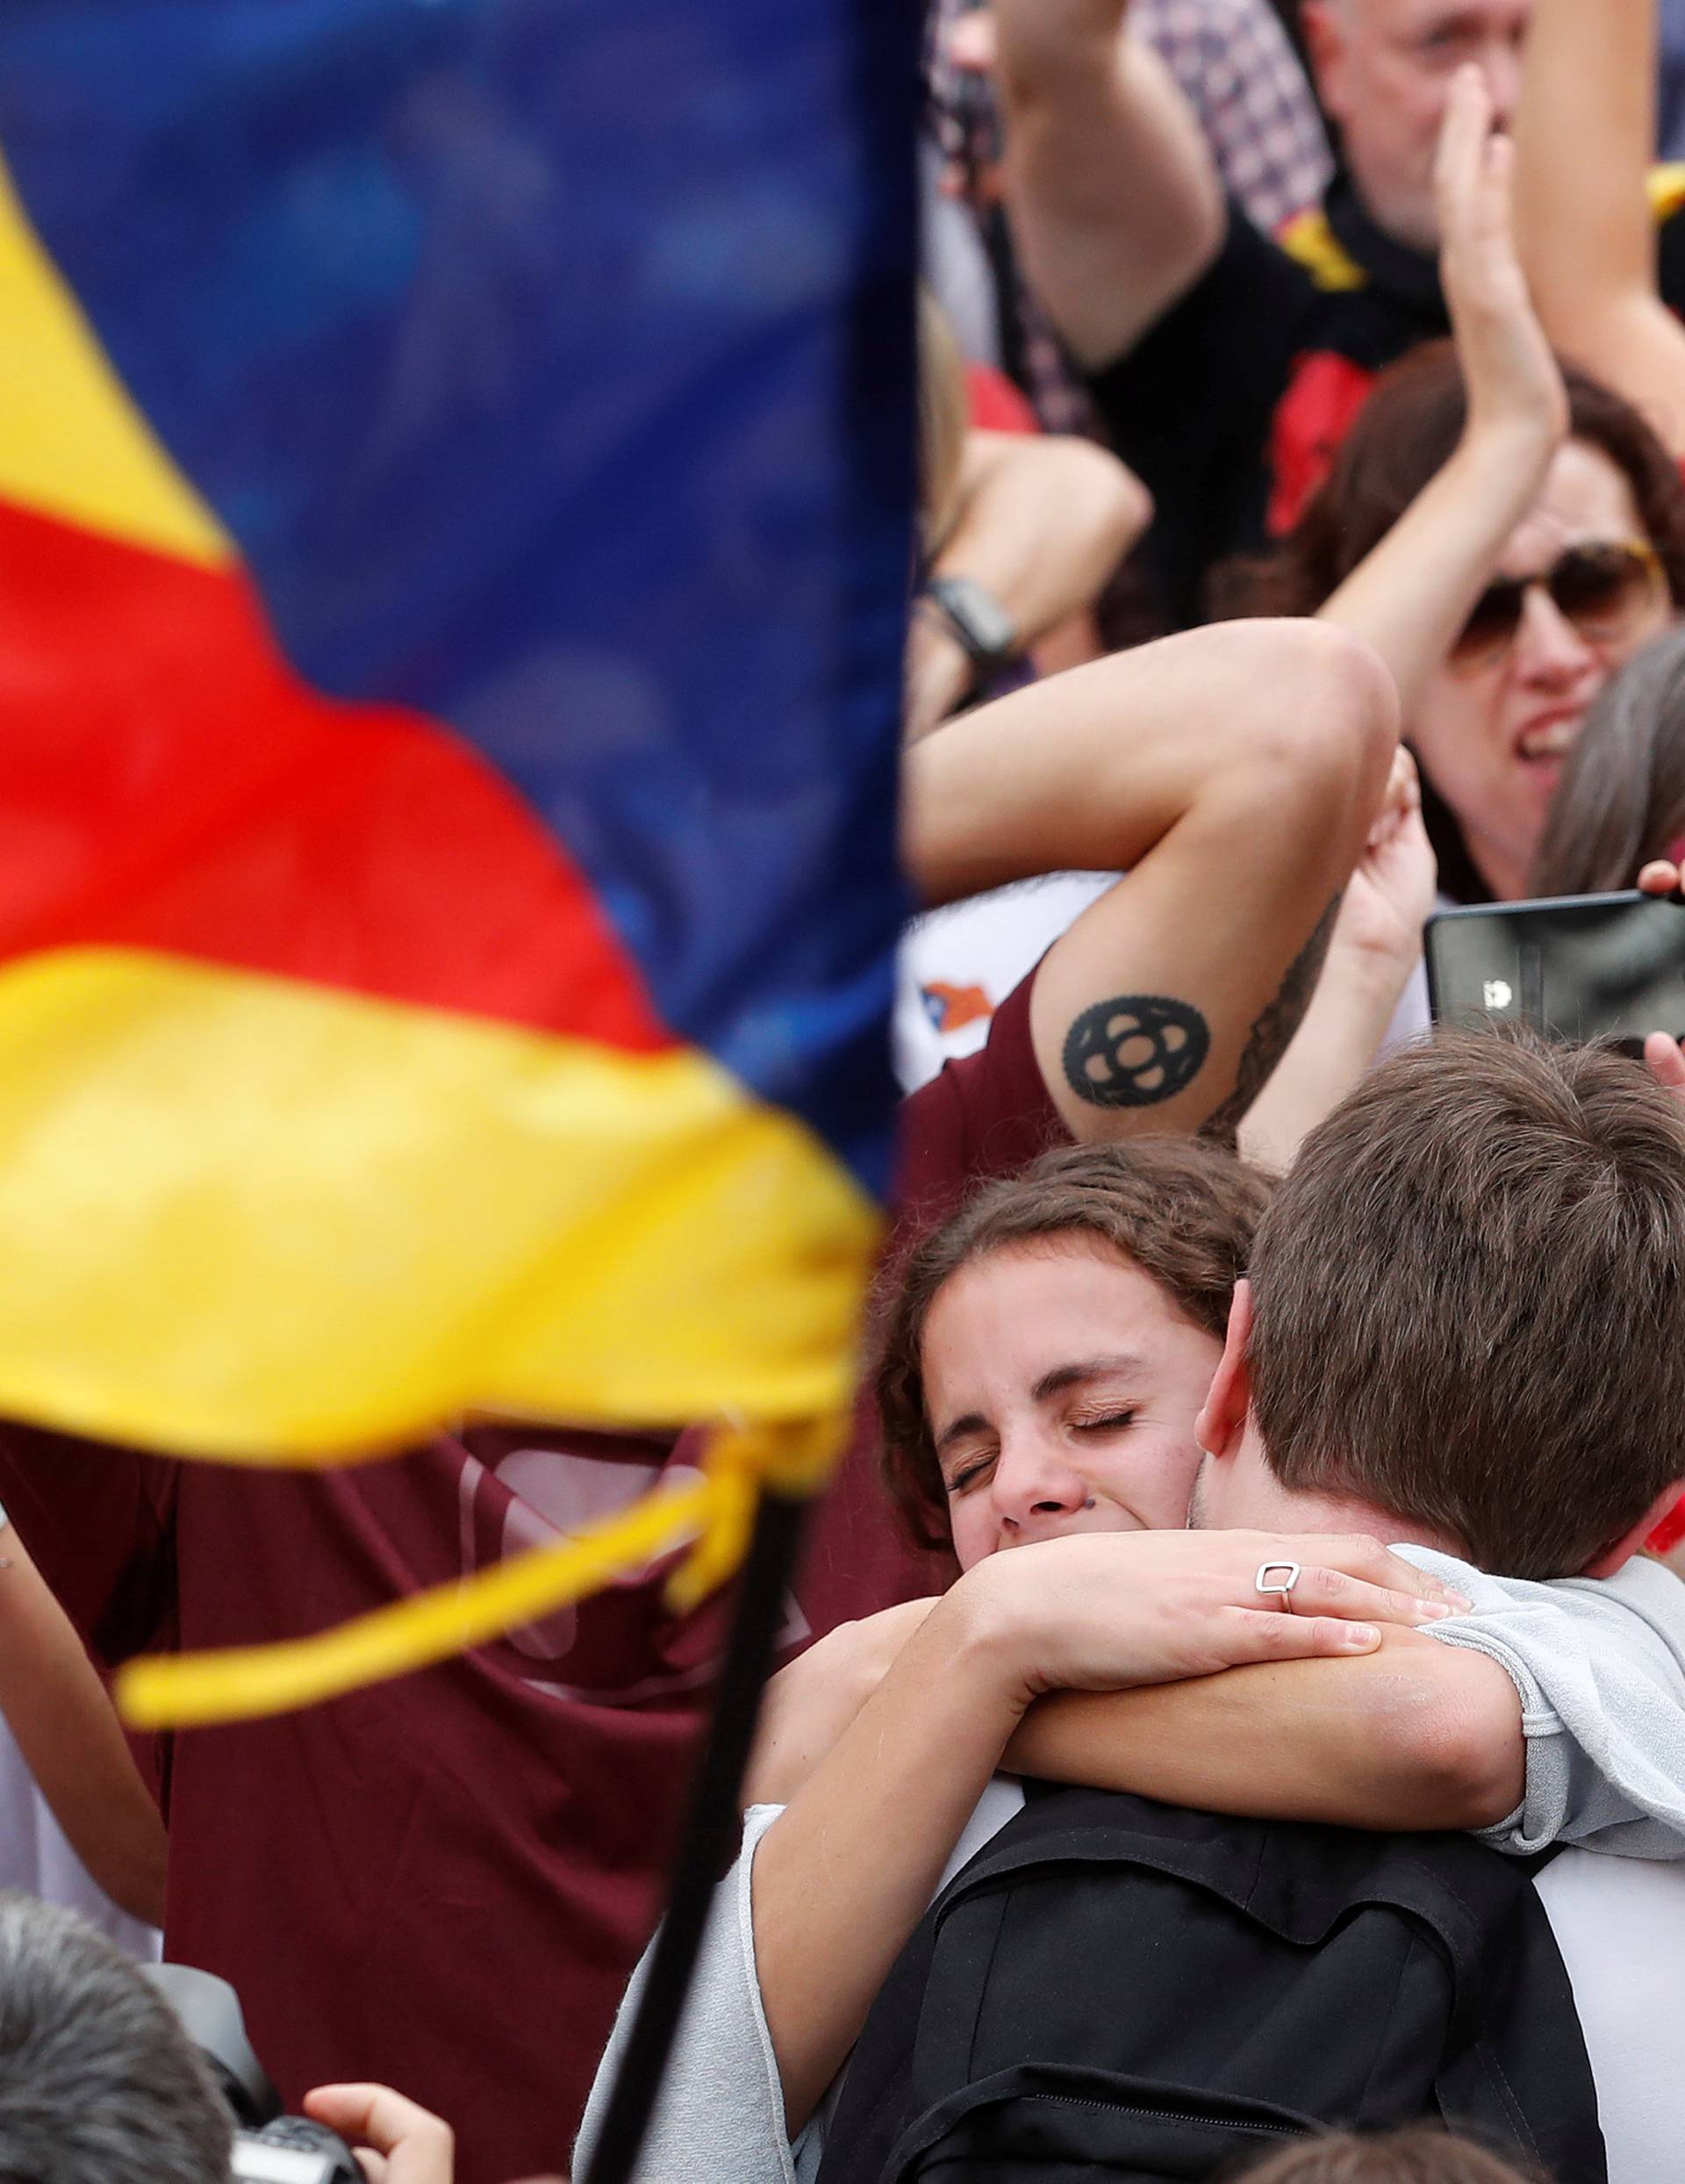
x,y
1582,967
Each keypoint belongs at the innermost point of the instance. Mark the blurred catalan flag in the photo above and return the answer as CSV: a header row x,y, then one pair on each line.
x,y
450,581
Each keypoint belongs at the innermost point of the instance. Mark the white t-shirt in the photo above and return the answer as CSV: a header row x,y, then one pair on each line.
x,y
35,1856
1620,1924
958,964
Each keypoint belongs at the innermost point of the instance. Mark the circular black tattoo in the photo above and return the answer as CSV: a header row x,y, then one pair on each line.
x,y
1135,1051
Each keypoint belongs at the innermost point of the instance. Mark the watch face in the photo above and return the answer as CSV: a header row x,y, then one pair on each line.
x,y
980,622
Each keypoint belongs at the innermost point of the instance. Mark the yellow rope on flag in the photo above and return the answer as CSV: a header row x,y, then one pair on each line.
x,y
166,1691
740,1464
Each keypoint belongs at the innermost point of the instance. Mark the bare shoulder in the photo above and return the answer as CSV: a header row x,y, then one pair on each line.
x,y
809,1705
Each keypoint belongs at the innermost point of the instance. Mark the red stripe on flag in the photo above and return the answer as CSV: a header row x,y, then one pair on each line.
x,y
171,785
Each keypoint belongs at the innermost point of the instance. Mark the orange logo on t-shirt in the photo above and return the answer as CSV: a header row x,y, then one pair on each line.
x,y
951,1008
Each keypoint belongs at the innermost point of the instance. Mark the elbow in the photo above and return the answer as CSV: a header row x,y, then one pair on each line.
x,y
1312,725
132,1872
1127,506
1206,229
1044,48
1469,1767
1101,501
141,1894
1334,713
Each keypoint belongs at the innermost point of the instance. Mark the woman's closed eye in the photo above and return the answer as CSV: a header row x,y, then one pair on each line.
x,y
973,1472
1102,1421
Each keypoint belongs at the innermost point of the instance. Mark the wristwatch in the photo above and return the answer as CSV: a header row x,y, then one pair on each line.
x,y
980,625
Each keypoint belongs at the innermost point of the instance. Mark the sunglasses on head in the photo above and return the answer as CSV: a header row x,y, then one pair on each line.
x,y
1604,588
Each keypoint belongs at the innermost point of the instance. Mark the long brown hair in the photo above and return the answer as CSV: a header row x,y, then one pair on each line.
x,y
1404,436
1622,797
1183,1210
942,421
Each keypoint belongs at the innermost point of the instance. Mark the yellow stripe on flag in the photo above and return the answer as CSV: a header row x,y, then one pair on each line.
x,y
75,446
272,1221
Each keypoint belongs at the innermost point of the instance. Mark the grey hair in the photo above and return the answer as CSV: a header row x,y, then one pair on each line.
x,y
98,2082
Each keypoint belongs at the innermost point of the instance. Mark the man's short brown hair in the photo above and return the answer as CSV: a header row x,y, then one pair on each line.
x,y
1469,1300
1183,1210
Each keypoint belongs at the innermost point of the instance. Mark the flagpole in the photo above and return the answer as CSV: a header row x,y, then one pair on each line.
x,y
710,1836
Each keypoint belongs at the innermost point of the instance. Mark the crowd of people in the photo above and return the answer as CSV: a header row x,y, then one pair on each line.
x,y
1302,550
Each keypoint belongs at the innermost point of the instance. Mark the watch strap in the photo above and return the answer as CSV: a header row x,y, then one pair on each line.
x,y
980,625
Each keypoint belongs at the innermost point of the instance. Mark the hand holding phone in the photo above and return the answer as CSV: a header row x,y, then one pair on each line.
x,y
1607,967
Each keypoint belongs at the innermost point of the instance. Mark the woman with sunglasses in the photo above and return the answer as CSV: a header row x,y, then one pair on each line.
x,y
1506,530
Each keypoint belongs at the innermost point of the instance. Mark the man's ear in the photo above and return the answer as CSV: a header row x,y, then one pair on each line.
x,y
1223,1420
1626,1547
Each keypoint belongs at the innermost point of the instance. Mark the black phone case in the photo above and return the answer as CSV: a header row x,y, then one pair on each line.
x,y
1597,967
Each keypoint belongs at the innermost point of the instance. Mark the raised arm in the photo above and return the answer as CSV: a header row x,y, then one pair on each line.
x,y
1374,950
1113,197
57,1711
1042,523
1412,595
1584,134
1233,773
93,1569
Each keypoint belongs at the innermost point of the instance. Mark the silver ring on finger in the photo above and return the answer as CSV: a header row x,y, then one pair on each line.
x,y
1278,1578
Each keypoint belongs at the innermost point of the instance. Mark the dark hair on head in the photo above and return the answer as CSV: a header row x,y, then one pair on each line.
x,y
98,2081
1183,1210
1423,2154
1404,436
1621,799
1468,1300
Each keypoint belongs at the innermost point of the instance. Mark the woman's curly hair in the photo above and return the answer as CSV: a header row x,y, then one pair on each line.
x,y
1183,1210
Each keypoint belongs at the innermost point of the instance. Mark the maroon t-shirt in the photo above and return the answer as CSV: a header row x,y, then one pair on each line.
x,y
989,1114
443,1882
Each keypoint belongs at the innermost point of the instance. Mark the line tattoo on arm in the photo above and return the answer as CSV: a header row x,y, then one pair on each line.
x,y
1271,1034
1134,1049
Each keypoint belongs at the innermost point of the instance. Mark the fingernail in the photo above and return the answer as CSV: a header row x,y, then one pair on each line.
x,y
1361,1634
1435,1607
1458,1604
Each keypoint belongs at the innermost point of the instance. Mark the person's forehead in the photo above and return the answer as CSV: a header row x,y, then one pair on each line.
x,y
1062,1294
1585,497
